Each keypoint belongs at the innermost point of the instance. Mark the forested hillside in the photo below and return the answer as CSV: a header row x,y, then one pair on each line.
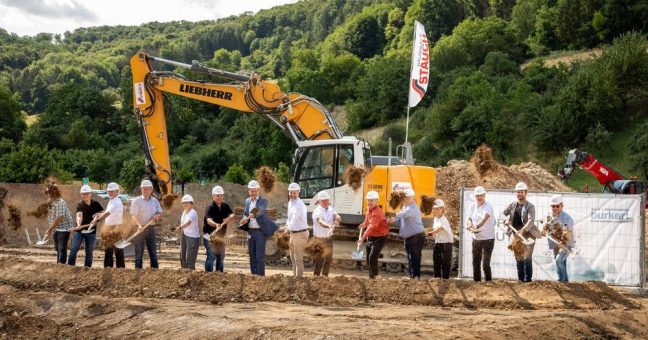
x,y
350,53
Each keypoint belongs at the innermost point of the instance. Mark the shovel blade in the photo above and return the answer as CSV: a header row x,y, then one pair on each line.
x,y
206,237
357,255
42,242
122,244
528,242
87,231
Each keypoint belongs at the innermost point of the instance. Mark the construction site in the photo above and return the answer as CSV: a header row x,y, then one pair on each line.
x,y
44,300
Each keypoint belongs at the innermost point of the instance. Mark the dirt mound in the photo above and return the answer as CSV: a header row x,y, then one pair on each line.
x,y
483,160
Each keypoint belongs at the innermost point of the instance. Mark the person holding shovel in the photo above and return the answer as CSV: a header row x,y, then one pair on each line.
x,y
411,230
521,216
190,234
325,219
113,216
59,219
259,227
566,243
481,223
217,215
145,210
86,212
297,226
376,232
443,240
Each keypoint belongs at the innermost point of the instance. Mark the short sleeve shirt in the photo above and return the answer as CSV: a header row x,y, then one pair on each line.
x,y
88,211
192,230
60,208
218,214
444,236
327,215
144,209
487,231
116,209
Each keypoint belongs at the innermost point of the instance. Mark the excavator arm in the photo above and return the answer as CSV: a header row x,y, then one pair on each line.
x,y
301,117
604,174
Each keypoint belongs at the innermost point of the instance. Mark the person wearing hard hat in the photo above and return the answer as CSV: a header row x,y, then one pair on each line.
x,y
259,227
297,225
113,216
217,215
60,221
443,240
190,234
145,209
376,232
481,222
521,216
86,212
562,249
411,230
325,219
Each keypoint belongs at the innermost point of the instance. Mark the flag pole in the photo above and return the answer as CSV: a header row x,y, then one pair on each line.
x,y
410,83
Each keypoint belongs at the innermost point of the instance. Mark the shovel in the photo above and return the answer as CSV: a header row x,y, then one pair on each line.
x,y
208,236
42,241
125,243
559,244
89,230
526,241
358,254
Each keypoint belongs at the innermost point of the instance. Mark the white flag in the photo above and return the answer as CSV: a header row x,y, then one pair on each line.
x,y
420,75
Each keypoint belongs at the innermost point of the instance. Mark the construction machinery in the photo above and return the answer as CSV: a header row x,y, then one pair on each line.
x,y
323,153
611,180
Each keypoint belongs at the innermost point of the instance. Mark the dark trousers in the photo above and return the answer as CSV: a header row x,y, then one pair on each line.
x,y
525,270
374,247
414,247
442,260
89,241
119,256
256,248
214,257
60,245
148,239
322,262
482,251
189,251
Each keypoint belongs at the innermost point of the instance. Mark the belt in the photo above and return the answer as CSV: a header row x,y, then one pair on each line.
x,y
419,234
299,231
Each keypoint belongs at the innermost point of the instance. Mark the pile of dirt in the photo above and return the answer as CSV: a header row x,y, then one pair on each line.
x,y
282,240
353,176
14,217
266,178
109,237
483,170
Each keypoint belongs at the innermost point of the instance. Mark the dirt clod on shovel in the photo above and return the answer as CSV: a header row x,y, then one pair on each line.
x,y
14,217
353,176
266,178
517,247
167,201
396,199
216,241
110,237
41,211
282,240
313,248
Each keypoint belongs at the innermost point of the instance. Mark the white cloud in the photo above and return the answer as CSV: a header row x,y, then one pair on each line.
x,y
29,17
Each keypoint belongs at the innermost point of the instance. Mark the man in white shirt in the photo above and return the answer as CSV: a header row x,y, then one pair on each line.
x,y
324,221
481,223
145,209
113,216
297,225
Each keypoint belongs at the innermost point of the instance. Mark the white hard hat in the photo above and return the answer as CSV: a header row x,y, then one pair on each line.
x,y
254,185
323,195
372,195
479,191
556,199
112,187
187,198
293,187
438,203
146,184
218,190
409,192
521,186
85,189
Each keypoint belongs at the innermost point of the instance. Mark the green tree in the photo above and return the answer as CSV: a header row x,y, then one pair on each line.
x,y
132,173
27,164
99,167
12,124
236,174
283,173
638,147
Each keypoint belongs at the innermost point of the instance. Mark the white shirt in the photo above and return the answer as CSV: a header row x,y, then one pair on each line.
x,y
116,209
297,219
327,215
444,236
487,231
192,229
253,223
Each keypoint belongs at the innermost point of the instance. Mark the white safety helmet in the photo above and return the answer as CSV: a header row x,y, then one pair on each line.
x,y
146,184
438,203
293,187
556,199
218,190
372,195
409,192
521,186
112,187
479,191
85,189
254,185
323,195
187,199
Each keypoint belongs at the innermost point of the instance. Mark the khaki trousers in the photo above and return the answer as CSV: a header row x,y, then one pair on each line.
x,y
297,244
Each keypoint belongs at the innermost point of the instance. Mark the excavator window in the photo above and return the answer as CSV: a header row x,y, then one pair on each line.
x,y
345,159
316,170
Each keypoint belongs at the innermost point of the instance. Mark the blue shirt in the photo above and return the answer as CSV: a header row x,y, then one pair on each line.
x,y
410,221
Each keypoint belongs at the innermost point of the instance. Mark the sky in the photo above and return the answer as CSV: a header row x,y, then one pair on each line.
x,y
30,17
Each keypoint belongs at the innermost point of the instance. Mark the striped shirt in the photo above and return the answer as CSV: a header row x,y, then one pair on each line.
x,y
60,208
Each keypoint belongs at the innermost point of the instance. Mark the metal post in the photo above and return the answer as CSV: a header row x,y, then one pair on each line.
x,y
461,232
642,219
389,154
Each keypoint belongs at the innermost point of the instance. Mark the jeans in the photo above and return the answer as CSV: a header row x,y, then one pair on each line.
x,y
561,264
148,239
414,247
89,241
256,247
374,247
119,257
322,262
214,256
525,264
189,251
297,243
482,251
60,245
442,260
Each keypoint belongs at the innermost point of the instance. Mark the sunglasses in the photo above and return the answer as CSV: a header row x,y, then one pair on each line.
x,y
555,206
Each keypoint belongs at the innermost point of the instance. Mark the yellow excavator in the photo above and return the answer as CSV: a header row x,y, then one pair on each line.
x,y
323,153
